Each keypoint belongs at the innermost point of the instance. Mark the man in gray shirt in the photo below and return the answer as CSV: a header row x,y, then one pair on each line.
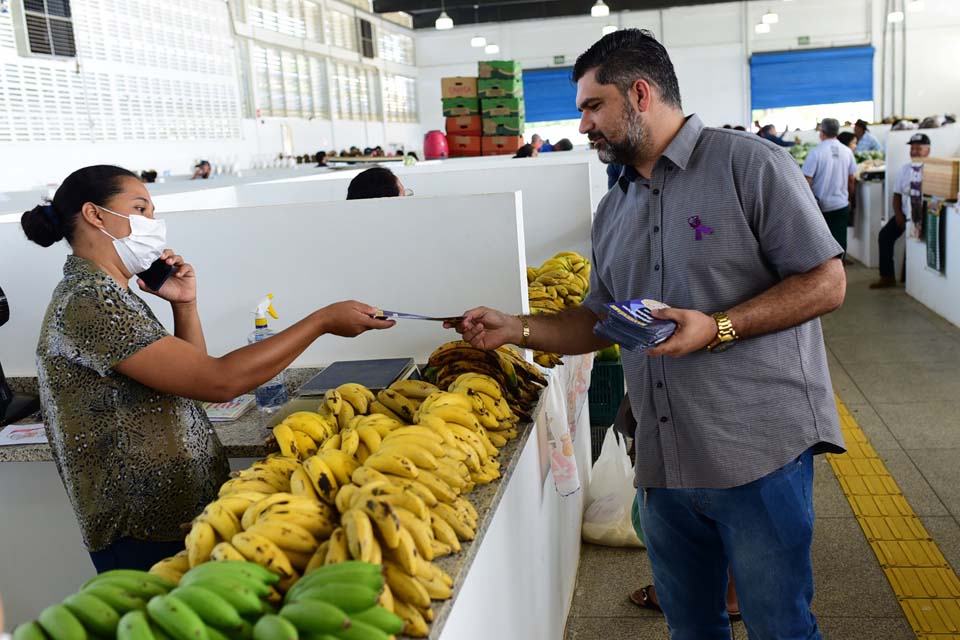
x,y
831,171
722,226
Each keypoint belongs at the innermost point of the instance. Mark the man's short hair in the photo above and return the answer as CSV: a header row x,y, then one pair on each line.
x,y
830,127
376,182
624,56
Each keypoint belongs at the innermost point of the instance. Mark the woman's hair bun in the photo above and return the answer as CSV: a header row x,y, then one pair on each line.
x,y
41,225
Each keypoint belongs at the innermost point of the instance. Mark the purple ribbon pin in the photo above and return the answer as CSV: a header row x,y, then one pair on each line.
x,y
699,227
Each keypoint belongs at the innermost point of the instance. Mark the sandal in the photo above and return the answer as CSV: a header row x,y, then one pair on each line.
x,y
641,598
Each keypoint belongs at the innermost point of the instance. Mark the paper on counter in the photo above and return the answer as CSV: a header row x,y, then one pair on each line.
x,y
18,434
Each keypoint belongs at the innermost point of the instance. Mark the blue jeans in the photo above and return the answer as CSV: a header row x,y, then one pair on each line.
x,y
129,553
761,530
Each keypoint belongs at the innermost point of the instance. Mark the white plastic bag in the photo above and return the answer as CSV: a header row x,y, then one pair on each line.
x,y
607,519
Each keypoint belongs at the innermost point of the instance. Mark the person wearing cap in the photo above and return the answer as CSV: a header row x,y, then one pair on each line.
x,y
830,168
907,195
865,140
201,170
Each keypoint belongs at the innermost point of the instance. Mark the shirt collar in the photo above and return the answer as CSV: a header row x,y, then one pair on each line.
x,y
678,151
76,266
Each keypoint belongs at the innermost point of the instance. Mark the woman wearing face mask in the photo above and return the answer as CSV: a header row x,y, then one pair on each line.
x,y
136,453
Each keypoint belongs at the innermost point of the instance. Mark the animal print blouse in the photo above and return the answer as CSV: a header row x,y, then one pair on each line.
x,y
135,462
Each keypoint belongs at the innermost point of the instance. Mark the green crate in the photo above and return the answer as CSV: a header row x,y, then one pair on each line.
x,y
456,107
606,392
500,88
502,108
499,69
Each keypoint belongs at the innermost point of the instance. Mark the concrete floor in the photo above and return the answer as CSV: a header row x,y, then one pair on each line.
x,y
896,365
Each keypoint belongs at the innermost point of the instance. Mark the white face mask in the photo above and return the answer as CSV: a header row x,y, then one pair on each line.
x,y
146,242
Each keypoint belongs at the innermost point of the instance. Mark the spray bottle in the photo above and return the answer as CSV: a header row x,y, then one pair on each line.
x,y
272,394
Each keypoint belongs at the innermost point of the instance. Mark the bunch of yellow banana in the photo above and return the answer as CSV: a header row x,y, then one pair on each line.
x,y
279,531
559,283
397,512
301,434
519,381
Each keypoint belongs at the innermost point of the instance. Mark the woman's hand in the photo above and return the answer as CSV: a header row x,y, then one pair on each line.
x,y
181,286
351,318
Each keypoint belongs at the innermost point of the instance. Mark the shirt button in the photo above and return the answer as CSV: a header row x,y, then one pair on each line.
x,y
656,267
663,418
656,191
656,229
659,385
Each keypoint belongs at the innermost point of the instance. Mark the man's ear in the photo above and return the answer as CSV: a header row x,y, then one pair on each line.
x,y
641,95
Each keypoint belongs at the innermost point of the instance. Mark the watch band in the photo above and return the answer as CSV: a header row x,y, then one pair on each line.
x,y
726,334
525,336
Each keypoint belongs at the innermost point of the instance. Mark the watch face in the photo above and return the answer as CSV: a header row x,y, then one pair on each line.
x,y
723,346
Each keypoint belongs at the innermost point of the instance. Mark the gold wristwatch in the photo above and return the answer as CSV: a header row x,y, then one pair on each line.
x,y
726,335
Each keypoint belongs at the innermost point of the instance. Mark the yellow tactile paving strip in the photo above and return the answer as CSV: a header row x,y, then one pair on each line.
x,y
925,585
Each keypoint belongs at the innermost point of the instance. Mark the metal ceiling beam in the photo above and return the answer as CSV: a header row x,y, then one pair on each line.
x,y
425,12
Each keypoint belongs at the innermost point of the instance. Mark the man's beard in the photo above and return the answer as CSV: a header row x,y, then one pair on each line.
x,y
633,145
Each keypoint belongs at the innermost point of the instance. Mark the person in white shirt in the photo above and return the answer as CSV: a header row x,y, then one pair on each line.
x,y
831,169
907,193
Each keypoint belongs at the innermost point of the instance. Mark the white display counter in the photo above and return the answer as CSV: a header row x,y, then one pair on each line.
x,y
938,291
867,221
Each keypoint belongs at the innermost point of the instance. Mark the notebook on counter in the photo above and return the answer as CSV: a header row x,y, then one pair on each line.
x,y
227,411
373,374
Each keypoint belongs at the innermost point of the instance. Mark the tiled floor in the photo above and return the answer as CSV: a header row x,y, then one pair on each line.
x,y
896,365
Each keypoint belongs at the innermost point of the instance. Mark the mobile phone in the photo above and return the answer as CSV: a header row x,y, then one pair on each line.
x,y
156,274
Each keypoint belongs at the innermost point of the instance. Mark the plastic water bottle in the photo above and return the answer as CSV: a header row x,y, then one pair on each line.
x,y
272,394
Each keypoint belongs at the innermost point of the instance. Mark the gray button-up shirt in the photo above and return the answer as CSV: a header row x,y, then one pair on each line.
x,y
724,217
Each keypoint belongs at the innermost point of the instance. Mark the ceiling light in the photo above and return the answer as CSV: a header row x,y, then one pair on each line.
x,y
600,10
492,48
761,27
915,5
895,16
770,18
444,22
610,28
478,41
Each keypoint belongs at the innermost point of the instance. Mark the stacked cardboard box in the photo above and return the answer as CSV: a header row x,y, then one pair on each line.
x,y
500,88
461,108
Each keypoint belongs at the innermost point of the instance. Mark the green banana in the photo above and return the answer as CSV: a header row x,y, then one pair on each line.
x,y
225,568
58,623
128,573
135,585
245,601
379,618
346,596
352,571
212,608
274,627
362,631
134,626
29,631
256,585
315,616
117,598
176,618
96,615
215,634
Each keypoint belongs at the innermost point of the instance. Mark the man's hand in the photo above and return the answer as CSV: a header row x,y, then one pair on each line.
x,y
488,328
695,330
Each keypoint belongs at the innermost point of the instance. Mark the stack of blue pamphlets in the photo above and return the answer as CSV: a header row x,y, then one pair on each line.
x,y
631,325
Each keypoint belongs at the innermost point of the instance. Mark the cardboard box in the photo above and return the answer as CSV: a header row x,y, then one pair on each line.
x,y
509,126
501,145
465,125
461,146
500,88
453,107
502,107
458,87
499,69
941,177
